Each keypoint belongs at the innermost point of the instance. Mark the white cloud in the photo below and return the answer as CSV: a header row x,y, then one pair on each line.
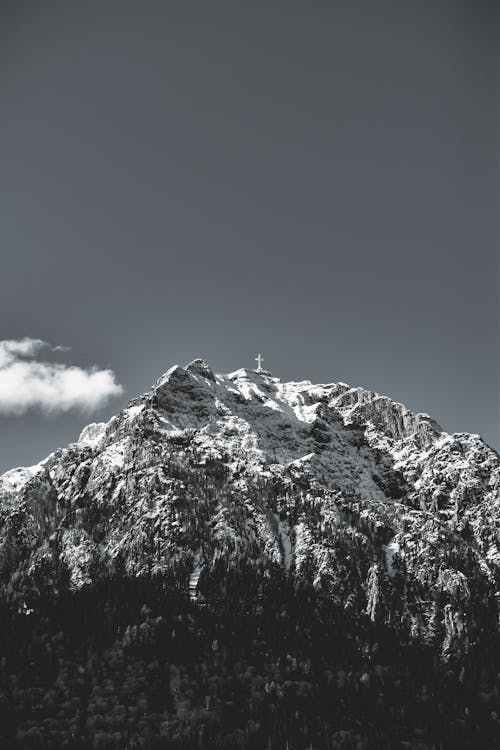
x,y
28,382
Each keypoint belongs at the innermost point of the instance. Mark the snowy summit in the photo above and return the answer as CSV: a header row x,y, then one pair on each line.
x,y
301,469
289,538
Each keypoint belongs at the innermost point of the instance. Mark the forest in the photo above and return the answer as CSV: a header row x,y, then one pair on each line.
x,y
262,662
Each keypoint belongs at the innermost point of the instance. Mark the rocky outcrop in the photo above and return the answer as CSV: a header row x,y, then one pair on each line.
x,y
373,504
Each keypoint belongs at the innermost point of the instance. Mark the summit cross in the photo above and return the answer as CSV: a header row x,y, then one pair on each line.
x,y
259,359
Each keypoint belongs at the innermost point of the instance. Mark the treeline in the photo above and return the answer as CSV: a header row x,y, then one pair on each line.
x,y
133,663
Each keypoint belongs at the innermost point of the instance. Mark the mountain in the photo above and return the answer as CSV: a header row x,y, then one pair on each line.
x,y
247,553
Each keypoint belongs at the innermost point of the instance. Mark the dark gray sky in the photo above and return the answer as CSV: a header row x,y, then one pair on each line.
x,y
318,181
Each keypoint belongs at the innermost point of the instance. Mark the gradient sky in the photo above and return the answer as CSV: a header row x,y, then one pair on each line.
x,y
318,181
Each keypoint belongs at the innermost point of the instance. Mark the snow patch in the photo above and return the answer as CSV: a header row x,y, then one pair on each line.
x,y
92,434
17,478
390,550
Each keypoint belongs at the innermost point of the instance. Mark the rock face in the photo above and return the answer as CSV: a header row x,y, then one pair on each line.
x,y
379,507
238,546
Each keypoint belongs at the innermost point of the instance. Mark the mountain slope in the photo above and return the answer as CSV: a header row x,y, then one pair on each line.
x,y
384,518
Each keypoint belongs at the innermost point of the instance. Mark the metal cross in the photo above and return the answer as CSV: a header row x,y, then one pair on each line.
x,y
259,359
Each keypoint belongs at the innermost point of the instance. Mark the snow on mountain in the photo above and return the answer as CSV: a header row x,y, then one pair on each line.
x,y
381,509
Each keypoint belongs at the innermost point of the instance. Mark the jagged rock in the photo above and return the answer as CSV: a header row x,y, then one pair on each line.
x,y
374,504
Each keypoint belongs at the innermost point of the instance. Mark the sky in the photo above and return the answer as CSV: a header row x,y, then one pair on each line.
x,y
316,181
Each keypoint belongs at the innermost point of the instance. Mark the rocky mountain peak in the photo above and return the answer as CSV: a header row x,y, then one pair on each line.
x,y
232,498
206,464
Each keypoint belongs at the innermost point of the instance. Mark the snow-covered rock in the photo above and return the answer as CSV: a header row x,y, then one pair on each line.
x,y
382,510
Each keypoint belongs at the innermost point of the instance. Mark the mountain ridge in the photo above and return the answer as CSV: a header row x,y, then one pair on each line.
x,y
232,555
389,465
